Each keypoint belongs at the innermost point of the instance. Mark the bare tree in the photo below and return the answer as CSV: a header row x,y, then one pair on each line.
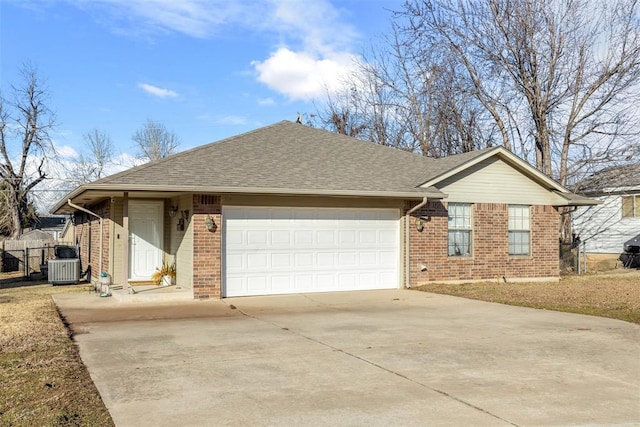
x,y
561,75
25,122
91,164
154,141
405,94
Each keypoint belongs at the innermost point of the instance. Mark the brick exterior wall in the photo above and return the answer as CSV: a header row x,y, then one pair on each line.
x,y
490,259
207,247
87,236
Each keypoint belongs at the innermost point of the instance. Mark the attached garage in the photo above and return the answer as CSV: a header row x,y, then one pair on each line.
x,y
280,250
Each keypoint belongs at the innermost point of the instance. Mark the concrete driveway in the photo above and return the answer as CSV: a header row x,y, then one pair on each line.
x,y
377,358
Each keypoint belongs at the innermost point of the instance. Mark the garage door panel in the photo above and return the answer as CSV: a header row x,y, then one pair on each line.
x,y
367,258
347,237
326,237
386,259
346,259
234,237
258,261
291,250
326,259
281,283
234,261
303,260
281,237
281,260
256,284
303,237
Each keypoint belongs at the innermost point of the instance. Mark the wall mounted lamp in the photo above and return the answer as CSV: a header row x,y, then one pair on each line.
x,y
210,224
420,221
173,211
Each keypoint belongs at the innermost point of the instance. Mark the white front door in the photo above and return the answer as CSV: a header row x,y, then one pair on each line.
x,y
146,231
270,250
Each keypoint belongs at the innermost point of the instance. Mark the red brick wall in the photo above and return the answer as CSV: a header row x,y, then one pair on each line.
x,y
87,236
207,274
490,259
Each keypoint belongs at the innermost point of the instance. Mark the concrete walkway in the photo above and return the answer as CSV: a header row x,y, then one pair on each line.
x,y
381,358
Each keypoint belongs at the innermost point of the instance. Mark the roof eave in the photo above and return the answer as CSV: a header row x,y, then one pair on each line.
x,y
418,193
576,200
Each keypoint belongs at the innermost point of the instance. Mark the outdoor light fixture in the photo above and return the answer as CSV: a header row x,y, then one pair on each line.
x,y
419,224
184,217
210,224
173,211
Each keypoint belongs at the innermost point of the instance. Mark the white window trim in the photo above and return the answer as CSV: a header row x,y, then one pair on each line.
x,y
518,230
469,230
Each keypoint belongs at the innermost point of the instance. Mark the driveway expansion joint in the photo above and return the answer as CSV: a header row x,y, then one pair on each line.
x,y
390,371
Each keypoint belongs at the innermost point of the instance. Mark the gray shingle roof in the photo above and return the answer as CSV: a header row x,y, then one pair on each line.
x,y
611,179
288,156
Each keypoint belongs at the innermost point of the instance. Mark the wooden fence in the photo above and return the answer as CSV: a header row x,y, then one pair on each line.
x,y
26,256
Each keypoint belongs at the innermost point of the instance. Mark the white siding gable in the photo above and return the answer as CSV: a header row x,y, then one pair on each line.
x,y
602,227
494,181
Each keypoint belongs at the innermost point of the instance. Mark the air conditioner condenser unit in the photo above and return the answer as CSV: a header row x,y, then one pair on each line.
x,y
64,271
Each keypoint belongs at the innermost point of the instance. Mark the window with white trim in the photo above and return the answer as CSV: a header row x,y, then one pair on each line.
x,y
460,232
630,206
519,230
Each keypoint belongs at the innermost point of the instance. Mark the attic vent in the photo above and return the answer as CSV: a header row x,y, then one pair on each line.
x,y
209,200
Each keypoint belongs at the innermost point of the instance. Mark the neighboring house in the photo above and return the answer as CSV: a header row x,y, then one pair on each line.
x,y
604,228
291,209
36,235
45,228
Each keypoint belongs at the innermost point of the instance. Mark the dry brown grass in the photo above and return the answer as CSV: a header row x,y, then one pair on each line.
x,y
44,382
614,294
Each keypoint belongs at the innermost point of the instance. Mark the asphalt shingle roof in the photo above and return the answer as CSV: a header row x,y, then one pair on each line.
x,y
610,179
288,156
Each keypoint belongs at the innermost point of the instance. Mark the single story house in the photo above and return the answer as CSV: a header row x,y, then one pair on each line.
x,y
604,228
292,209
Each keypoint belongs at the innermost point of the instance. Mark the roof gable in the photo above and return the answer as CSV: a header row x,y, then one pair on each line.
x,y
492,180
503,176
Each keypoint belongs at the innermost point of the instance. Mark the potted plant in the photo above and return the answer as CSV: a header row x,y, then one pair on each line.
x,y
165,275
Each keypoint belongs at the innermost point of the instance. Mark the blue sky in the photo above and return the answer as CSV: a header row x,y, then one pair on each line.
x,y
206,69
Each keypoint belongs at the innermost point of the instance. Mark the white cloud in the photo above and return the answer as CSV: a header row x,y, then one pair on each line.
x,y
66,151
157,91
323,57
266,102
232,120
303,76
194,18
312,40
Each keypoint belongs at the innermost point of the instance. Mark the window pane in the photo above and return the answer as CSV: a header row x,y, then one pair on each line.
x,y
627,206
518,217
459,229
459,243
518,243
459,216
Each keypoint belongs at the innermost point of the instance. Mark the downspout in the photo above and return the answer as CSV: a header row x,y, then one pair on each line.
x,y
407,283
80,208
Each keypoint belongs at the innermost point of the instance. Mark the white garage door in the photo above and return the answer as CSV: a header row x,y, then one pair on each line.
x,y
294,250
